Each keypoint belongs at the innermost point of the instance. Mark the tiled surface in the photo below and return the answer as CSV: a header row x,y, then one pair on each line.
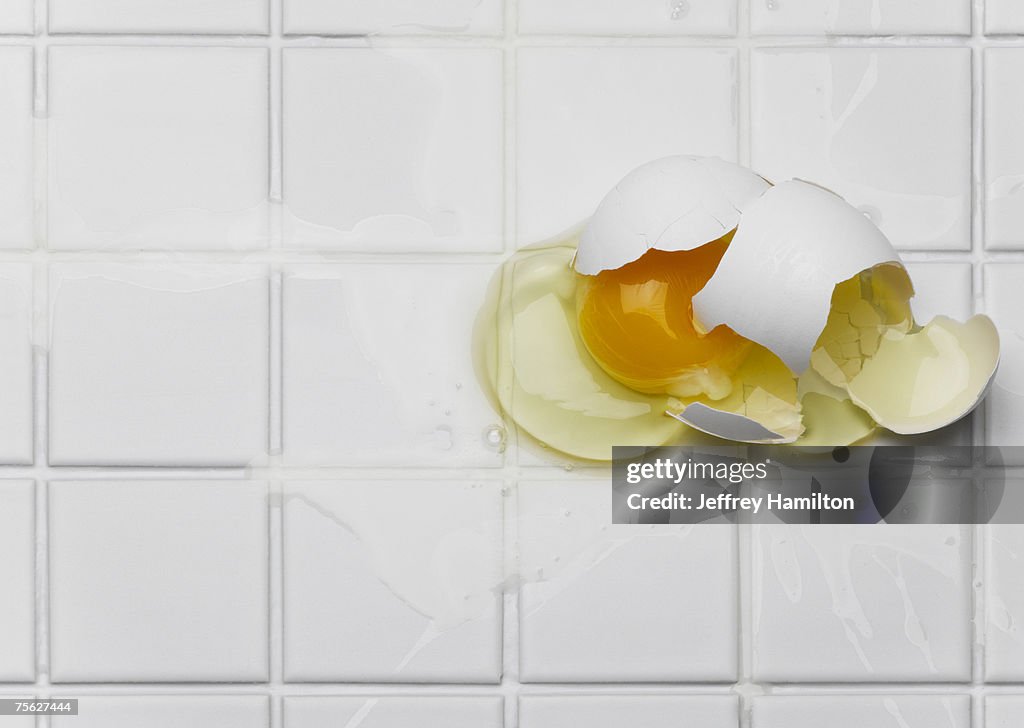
x,y
16,385
259,245
158,711
1005,711
1004,17
877,711
353,17
350,335
1004,624
393,712
649,711
158,581
16,16
16,135
158,365
571,560
889,129
17,574
577,107
394,150
162,148
375,591
862,603
159,16
627,17
1004,149
1004,286
861,17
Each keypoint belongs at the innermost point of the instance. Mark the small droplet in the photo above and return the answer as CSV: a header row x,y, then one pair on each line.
x,y
494,436
871,213
771,4
680,9
443,437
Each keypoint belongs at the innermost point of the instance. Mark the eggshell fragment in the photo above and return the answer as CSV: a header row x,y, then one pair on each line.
x,y
727,425
830,418
774,285
930,378
674,203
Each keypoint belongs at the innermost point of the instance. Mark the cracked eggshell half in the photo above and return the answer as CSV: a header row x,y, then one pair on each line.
x,y
774,285
674,203
930,378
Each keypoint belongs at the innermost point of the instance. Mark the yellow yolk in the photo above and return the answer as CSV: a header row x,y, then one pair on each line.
x,y
637,323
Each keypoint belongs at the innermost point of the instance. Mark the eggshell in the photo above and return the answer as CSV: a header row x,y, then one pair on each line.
x,y
774,285
674,203
728,425
930,378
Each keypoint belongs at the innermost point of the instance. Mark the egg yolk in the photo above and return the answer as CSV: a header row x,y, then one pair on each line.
x,y
637,323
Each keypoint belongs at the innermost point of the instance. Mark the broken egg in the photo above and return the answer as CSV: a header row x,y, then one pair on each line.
x,y
702,300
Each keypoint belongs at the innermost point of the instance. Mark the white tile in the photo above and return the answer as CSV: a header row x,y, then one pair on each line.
x,y
16,17
10,721
628,17
639,711
378,367
588,116
1004,633
944,289
392,582
355,17
861,17
1004,302
158,581
1004,16
393,150
860,711
16,385
603,603
159,16
1004,711
864,603
1004,149
154,365
169,711
16,186
17,574
888,129
393,712
158,147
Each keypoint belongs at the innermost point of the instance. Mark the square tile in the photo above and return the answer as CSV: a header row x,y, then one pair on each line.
x,y
864,603
1004,633
158,148
16,370
154,365
378,366
11,721
353,17
16,16
393,712
588,116
158,581
17,574
888,129
861,17
628,17
169,711
1004,149
859,711
1004,17
1004,711
571,559
392,582
1004,302
397,150
615,711
159,16
16,121
942,289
